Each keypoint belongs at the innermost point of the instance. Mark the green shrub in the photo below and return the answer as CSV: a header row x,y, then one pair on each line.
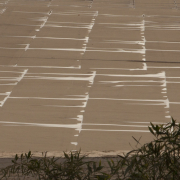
x,y
156,160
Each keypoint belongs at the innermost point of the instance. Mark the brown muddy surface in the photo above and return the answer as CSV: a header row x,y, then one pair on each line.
x,y
86,74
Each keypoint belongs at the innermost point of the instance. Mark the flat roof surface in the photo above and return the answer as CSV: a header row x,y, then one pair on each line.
x,y
86,74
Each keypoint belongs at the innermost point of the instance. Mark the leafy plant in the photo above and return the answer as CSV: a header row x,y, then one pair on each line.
x,y
156,160
70,167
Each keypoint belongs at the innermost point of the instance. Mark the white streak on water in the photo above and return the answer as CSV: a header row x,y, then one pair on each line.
x,y
26,12
46,98
75,106
129,69
9,84
174,103
121,125
90,77
133,81
79,119
134,85
47,49
18,79
164,102
90,49
165,67
26,48
116,50
90,27
124,42
5,99
23,74
74,143
145,122
143,44
158,75
54,38
2,11
107,130
77,126
113,15
76,13
54,67
167,116
161,101
10,71
72,126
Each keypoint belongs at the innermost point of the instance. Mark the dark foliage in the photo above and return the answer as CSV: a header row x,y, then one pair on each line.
x,y
156,160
